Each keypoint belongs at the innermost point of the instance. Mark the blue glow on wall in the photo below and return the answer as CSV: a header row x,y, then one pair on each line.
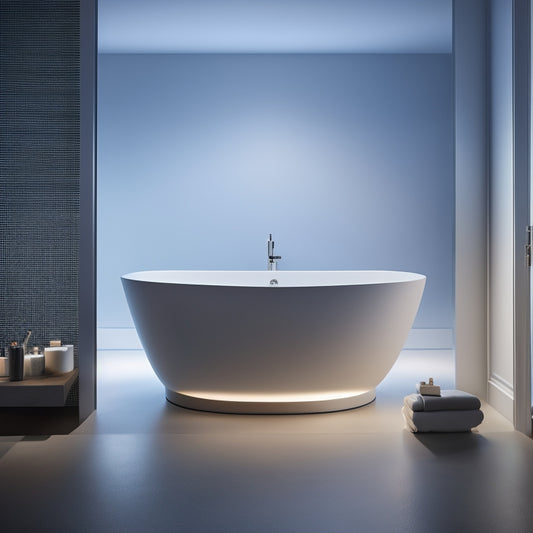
x,y
346,158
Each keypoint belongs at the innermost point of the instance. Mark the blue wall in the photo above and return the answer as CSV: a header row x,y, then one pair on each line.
x,y
347,159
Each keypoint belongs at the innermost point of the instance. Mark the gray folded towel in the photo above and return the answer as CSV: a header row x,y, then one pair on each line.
x,y
441,421
449,400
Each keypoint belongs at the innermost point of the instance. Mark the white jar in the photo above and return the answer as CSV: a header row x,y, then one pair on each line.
x,y
58,360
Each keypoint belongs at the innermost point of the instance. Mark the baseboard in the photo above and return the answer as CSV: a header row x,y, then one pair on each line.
x,y
418,339
430,339
117,339
501,396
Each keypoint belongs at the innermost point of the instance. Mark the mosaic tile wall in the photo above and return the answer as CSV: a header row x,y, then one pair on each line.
x,y
39,170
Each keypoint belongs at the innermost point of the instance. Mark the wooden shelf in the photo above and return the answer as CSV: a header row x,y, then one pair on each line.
x,y
43,391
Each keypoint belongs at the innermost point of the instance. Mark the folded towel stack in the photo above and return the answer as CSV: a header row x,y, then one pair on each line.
x,y
452,411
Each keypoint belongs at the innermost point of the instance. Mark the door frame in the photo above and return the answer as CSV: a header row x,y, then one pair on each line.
x,y
521,186
87,252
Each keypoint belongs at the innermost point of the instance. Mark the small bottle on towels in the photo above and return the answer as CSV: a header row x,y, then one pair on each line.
x,y
16,362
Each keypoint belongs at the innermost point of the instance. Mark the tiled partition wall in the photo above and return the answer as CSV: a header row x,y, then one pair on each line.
x,y
39,171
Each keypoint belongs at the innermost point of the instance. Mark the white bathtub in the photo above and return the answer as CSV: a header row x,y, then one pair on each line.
x,y
240,342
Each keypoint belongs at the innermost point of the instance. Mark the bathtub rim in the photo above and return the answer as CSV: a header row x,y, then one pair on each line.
x,y
261,278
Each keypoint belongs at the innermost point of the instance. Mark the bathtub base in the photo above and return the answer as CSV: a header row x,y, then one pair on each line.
x,y
272,404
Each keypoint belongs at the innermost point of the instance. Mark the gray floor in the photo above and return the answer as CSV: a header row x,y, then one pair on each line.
x,y
140,464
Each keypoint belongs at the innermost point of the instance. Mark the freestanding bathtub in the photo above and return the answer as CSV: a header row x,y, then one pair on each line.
x,y
272,341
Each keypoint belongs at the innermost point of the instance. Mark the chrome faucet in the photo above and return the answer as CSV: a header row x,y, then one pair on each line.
x,y
272,259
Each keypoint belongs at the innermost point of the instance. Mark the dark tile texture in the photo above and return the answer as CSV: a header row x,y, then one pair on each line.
x,y
39,170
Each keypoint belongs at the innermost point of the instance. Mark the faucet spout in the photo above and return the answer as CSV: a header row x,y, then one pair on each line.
x,y
272,259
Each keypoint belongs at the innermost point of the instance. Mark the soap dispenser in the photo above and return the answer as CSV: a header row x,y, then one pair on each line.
x,y
16,362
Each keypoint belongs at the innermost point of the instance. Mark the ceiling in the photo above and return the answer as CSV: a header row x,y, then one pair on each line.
x,y
275,26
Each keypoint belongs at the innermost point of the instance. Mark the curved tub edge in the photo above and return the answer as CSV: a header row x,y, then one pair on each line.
x,y
309,406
